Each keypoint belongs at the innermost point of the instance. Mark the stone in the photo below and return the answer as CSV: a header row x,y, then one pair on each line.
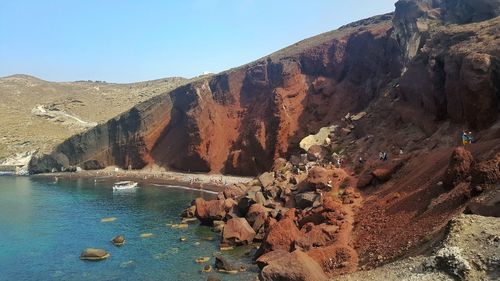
x,y
265,259
382,174
458,168
307,199
450,260
296,266
235,191
189,212
266,179
255,211
222,264
237,231
335,259
316,153
202,260
218,226
118,240
208,211
93,254
207,268
316,236
280,236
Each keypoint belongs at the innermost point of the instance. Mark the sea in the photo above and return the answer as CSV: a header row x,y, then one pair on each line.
x,y
45,224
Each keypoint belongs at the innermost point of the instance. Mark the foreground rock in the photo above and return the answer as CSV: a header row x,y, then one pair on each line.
x,y
295,266
93,254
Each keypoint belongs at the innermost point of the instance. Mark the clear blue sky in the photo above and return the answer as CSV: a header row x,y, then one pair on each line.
x,y
133,40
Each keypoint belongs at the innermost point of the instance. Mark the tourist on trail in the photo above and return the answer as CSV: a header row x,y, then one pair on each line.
x,y
361,161
384,156
470,138
381,155
400,151
465,138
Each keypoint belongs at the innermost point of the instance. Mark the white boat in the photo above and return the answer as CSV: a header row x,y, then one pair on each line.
x,y
124,185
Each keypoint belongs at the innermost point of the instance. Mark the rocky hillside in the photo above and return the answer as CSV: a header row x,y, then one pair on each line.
x,y
442,56
37,114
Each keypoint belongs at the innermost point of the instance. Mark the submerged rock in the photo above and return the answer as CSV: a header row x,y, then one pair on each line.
x,y
223,265
93,254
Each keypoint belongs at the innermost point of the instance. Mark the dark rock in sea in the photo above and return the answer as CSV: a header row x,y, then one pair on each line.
x,y
118,240
222,264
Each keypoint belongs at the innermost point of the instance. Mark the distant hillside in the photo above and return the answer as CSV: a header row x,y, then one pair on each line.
x,y
38,114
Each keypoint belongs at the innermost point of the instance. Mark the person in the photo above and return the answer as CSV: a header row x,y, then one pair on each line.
x,y
465,138
470,138
381,155
400,151
384,156
361,161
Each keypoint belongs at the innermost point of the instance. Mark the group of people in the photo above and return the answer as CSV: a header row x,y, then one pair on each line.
x,y
467,137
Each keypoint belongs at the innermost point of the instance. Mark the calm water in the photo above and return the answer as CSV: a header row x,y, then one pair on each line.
x,y
44,226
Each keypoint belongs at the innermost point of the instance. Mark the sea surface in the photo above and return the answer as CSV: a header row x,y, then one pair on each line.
x,y
45,224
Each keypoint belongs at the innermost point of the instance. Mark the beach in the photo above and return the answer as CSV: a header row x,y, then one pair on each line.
x,y
208,182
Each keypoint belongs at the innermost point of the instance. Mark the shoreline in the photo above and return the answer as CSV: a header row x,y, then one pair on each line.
x,y
212,183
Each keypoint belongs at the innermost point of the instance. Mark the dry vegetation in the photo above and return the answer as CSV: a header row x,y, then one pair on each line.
x,y
92,102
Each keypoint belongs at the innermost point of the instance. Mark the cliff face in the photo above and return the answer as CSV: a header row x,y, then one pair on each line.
x,y
239,121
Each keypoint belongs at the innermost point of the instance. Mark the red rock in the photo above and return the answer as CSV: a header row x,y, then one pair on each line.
x,y
208,211
365,180
255,211
265,259
295,266
335,260
280,236
458,168
235,191
316,236
237,231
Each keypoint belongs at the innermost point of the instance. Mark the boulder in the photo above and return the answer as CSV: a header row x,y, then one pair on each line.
x,y
118,240
266,179
218,226
213,278
189,212
208,211
307,199
316,236
222,264
295,266
93,254
255,211
237,231
335,259
316,153
244,204
280,236
265,259
458,168
382,174
235,191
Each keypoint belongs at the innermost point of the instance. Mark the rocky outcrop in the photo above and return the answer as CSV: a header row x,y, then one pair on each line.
x,y
459,167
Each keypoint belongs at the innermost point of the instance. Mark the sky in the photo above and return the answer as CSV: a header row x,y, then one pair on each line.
x,y
131,40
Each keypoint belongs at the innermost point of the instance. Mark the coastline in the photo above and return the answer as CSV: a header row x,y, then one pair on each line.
x,y
211,183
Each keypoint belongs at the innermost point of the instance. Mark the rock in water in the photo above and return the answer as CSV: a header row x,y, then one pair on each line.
x,y
118,240
222,264
93,254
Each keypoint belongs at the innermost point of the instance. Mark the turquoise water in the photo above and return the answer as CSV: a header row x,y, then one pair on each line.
x,y
44,226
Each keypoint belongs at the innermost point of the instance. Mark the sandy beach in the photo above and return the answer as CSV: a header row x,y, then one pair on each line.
x,y
209,182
